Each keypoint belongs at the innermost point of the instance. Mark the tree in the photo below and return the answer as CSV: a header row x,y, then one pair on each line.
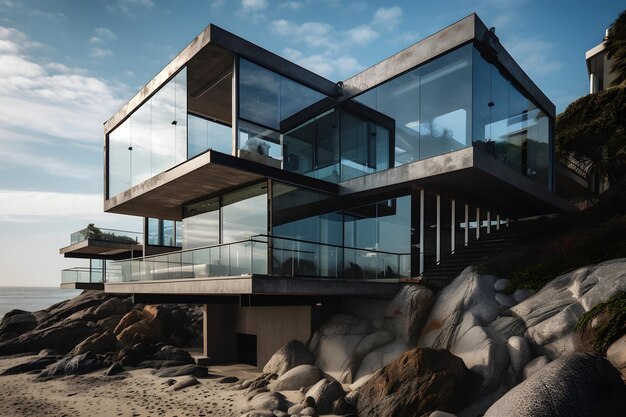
x,y
615,46
592,130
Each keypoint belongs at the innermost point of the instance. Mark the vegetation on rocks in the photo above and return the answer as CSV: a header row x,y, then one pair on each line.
x,y
610,326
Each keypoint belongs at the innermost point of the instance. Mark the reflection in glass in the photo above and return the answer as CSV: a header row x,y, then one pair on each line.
x,y
244,213
205,134
201,224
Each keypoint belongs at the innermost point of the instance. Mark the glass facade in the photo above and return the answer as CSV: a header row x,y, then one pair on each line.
x,y
206,134
152,140
164,232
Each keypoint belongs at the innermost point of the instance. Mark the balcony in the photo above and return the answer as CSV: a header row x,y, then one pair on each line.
x,y
82,278
99,243
297,267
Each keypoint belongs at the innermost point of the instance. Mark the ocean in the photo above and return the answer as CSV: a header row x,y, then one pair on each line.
x,y
32,298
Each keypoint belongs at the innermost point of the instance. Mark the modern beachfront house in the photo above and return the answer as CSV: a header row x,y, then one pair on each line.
x,y
293,194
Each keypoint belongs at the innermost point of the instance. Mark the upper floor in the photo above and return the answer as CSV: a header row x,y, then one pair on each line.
x,y
599,67
226,113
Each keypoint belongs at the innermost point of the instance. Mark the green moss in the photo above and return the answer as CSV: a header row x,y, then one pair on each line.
x,y
611,327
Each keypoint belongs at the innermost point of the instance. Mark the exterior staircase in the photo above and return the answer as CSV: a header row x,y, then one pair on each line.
x,y
451,265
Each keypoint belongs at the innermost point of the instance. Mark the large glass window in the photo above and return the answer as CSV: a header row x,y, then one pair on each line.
x,y
163,232
152,140
244,213
205,134
201,225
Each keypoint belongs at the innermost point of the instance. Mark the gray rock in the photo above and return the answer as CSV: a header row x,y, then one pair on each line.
x,y
484,352
441,414
551,314
378,358
535,365
48,352
171,353
324,393
340,345
112,306
96,343
521,294
185,382
228,380
409,310
508,326
76,365
293,354
501,284
158,364
577,384
616,354
309,411
109,323
114,369
295,409
269,401
174,371
259,413
34,365
296,378
505,300
62,337
519,355
279,413
15,323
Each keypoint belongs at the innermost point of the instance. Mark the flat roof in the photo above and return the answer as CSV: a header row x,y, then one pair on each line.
x,y
100,249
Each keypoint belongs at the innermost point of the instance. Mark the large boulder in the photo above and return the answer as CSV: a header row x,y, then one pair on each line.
x,y
380,357
552,313
302,376
340,345
75,365
137,333
111,307
293,354
420,381
130,318
469,294
519,355
409,310
576,384
616,354
325,393
61,337
108,324
96,343
15,323
184,370
171,353
34,365
268,401
85,301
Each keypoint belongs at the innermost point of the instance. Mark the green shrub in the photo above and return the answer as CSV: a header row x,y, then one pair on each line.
x,y
611,326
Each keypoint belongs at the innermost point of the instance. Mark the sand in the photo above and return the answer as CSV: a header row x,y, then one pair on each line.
x,y
133,393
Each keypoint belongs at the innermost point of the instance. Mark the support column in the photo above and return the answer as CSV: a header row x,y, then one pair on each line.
x,y
477,223
488,221
421,232
220,337
498,222
466,224
453,228
235,106
438,228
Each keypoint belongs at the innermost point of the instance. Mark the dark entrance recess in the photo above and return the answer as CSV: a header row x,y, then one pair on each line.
x,y
246,348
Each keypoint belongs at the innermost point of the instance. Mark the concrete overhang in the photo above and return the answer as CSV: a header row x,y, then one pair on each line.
x,y
82,286
258,285
469,29
467,175
163,195
214,37
101,249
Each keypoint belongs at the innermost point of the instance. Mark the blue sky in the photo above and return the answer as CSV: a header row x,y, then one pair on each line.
x,y
67,66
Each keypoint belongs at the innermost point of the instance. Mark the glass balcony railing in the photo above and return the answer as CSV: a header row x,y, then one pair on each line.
x,y
289,258
111,235
80,274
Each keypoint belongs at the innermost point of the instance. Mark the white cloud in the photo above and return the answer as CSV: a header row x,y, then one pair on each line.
x,y
100,52
126,6
325,64
312,34
48,15
32,206
387,17
291,5
361,35
102,35
253,5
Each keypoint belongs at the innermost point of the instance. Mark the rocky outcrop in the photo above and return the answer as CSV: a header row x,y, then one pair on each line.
x,y
75,365
15,323
577,384
409,310
551,314
111,307
293,354
62,337
96,343
302,376
324,393
420,381
378,358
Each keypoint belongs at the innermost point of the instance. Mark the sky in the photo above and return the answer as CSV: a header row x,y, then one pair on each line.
x,y
66,66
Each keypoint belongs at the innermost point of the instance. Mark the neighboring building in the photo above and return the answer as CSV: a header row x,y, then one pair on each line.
x,y
297,194
599,67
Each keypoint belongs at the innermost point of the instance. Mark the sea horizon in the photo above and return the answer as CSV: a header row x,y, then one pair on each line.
x,y
32,298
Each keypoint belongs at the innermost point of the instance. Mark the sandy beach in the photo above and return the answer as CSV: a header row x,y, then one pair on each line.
x,y
132,393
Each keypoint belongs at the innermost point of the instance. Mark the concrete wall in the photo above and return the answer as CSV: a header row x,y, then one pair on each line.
x,y
220,339
273,326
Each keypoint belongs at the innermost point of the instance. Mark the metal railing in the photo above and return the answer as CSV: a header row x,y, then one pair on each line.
x,y
111,235
289,258
82,274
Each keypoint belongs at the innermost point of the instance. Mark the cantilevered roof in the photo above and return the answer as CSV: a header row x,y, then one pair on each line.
x,y
163,195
